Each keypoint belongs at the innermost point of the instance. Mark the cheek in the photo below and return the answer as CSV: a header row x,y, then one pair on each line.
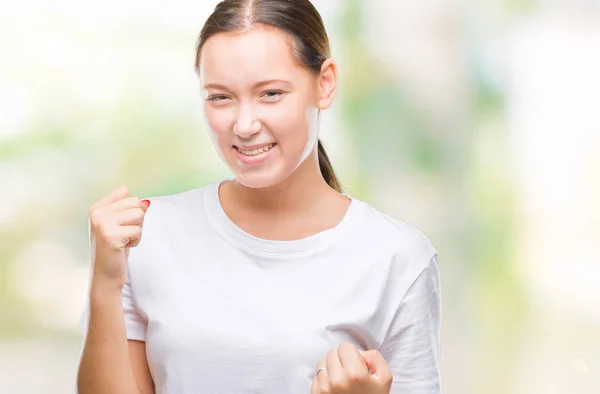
x,y
291,122
219,123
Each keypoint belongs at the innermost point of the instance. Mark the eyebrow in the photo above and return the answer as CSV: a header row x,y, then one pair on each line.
x,y
256,85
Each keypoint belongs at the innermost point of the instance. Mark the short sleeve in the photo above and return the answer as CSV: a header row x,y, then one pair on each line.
x,y
412,343
135,323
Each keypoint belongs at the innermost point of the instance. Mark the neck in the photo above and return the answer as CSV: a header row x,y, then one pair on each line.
x,y
303,188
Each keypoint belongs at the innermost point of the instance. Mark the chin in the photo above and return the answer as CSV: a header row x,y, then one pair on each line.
x,y
260,179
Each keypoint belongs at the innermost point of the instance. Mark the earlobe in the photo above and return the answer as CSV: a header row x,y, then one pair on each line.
x,y
327,84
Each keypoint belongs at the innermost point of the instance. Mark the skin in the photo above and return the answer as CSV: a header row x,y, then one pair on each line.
x,y
271,99
266,199
110,363
350,371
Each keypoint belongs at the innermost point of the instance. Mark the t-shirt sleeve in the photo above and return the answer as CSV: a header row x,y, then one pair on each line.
x,y
135,323
412,344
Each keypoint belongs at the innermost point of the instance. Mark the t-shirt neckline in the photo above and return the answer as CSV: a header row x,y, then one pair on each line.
x,y
280,249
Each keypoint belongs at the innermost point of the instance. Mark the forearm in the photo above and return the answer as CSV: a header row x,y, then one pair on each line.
x,y
105,363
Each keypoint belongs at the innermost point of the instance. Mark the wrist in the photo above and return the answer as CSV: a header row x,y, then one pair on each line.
x,y
103,289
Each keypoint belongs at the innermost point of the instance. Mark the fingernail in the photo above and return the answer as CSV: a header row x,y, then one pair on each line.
x,y
147,203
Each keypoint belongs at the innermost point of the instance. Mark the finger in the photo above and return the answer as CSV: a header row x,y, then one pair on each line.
x,y
322,363
123,204
114,195
352,362
134,241
323,377
361,357
376,364
145,205
126,235
335,371
132,216
314,388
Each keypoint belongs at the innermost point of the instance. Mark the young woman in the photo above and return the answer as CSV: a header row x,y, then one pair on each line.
x,y
275,281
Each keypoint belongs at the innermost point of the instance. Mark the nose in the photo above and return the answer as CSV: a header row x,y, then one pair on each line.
x,y
246,124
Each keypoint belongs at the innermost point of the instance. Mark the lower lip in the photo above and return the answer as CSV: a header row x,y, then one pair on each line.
x,y
256,159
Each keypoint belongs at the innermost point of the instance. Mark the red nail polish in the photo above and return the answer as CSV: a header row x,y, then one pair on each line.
x,y
147,203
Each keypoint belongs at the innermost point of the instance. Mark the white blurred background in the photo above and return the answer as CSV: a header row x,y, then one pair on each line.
x,y
477,122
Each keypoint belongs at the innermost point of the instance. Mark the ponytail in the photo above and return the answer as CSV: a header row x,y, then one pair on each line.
x,y
327,169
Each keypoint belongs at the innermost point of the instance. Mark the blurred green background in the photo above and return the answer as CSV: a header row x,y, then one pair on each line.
x,y
477,122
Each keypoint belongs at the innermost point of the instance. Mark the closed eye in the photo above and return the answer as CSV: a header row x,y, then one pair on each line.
x,y
272,95
217,97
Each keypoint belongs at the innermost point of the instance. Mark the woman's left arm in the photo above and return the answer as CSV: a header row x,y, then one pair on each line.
x,y
412,344
408,361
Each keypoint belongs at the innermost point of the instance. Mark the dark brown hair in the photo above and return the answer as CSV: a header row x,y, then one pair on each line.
x,y
299,18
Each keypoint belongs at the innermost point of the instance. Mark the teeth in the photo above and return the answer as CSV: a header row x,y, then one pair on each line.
x,y
255,152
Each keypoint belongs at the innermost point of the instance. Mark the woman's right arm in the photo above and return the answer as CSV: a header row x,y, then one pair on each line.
x,y
110,363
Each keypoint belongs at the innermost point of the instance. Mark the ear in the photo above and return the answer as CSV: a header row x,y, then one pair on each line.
x,y
327,83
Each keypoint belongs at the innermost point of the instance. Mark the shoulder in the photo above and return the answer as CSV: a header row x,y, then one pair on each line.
x,y
171,214
395,233
408,248
180,200
170,207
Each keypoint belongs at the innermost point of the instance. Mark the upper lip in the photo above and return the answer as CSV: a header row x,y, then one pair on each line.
x,y
252,147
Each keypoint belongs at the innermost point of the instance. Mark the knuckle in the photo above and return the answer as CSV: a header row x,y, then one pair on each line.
x,y
386,375
388,379
357,376
94,216
347,346
338,385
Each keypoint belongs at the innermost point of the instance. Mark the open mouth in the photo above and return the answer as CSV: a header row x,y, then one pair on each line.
x,y
257,151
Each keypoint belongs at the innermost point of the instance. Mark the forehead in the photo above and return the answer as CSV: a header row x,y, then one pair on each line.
x,y
257,54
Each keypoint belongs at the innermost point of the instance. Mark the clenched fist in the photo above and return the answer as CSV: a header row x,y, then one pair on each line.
x,y
116,222
346,370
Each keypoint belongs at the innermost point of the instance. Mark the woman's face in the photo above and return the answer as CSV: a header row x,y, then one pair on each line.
x,y
260,105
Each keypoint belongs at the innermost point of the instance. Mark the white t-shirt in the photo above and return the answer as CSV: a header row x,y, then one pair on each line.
x,y
222,311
